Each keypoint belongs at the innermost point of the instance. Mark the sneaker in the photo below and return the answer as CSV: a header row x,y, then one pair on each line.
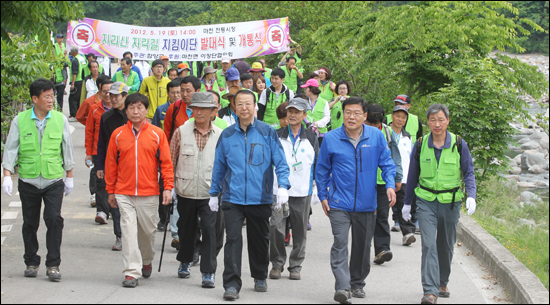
x,y
342,296
175,244
408,239
208,280
101,218
358,293
275,273
231,294
92,201
260,285
53,273
287,240
308,226
444,292
417,229
72,119
31,271
429,299
161,226
184,271
146,270
196,259
118,244
395,227
294,275
130,281
384,256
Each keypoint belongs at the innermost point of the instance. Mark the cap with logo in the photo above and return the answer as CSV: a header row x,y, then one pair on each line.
x,y
118,88
232,74
203,99
182,67
402,99
401,108
299,103
164,57
226,60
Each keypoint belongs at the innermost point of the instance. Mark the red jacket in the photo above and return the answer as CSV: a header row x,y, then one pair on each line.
x,y
181,118
133,161
84,109
92,128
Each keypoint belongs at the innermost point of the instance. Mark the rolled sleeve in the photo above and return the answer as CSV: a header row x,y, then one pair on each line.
x,y
67,146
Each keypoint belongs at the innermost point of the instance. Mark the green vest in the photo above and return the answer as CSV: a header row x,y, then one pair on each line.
x,y
120,78
33,159
88,72
82,63
326,93
387,134
449,179
220,79
58,71
318,112
222,124
336,115
271,104
267,73
214,87
291,79
411,126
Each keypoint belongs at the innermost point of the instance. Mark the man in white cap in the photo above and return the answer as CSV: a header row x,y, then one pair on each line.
x,y
226,64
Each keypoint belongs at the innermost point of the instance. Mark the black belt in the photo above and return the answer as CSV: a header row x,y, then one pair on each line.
x,y
442,192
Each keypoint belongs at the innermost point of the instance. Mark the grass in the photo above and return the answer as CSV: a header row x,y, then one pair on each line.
x,y
498,212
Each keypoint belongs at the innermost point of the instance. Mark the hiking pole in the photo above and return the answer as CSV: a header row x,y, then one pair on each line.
x,y
166,229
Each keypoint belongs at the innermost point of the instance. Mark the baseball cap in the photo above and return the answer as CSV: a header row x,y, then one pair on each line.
x,y
203,99
401,108
182,67
60,36
226,59
118,88
257,67
310,82
402,99
232,74
299,103
232,91
164,57
375,111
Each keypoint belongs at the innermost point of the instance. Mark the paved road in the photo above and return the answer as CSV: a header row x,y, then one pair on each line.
x,y
92,273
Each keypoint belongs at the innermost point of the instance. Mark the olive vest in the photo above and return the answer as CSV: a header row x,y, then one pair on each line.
x,y
35,159
411,126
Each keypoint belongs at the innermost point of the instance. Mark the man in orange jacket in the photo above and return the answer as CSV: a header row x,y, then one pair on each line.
x,y
135,152
84,109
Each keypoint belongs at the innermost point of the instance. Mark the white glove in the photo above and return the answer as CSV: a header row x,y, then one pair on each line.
x,y
314,196
174,194
406,212
471,205
68,186
214,204
7,186
282,197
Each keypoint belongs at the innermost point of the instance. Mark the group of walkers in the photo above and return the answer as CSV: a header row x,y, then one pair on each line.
x,y
242,146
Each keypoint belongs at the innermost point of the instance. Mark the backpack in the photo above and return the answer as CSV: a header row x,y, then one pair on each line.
x,y
268,97
458,145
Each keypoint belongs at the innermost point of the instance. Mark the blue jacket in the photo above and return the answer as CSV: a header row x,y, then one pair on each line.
x,y
350,172
243,168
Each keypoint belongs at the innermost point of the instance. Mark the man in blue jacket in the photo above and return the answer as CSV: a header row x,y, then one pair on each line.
x,y
243,173
346,175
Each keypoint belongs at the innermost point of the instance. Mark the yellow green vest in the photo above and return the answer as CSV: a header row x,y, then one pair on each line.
x,y
33,159
88,72
220,79
58,71
411,126
318,112
214,87
82,63
448,179
291,79
336,115
326,93
120,78
267,73
271,104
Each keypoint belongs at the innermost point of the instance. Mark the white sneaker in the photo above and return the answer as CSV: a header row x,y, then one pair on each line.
x,y
92,201
101,218
408,239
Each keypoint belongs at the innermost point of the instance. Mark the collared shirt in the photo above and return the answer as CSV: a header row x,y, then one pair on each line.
x,y
175,143
126,76
292,136
352,140
11,149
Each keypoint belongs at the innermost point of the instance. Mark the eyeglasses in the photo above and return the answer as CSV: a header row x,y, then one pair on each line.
x,y
355,114
48,97
105,92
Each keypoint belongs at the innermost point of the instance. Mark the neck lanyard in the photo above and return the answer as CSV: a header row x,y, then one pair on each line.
x,y
295,151
397,136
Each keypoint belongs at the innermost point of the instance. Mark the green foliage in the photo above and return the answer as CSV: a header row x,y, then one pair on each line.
x,y
537,11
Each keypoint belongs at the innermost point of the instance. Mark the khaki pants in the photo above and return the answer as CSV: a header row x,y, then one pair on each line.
x,y
138,223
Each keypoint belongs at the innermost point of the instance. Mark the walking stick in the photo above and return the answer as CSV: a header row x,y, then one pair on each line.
x,y
166,229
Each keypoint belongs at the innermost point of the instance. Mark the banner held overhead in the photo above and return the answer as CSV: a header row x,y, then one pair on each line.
x,y
191,43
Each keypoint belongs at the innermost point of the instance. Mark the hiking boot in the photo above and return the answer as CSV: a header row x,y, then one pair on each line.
x,y
31,271
130,281
231,294
429,299
208,280
396,227
146,270
275,273
92,201
294,275
287,240
53,273
358,293
384,256
175,244
408,239
260,285
342,296
444,292
118,244
101,218
184,270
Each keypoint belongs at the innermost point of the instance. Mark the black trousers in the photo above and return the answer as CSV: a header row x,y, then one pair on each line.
x,y
257,231
382,228
406,226
60,92
97,187
31,203
74,99
188,210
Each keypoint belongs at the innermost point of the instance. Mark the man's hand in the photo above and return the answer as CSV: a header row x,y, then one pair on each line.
x,y
166,197
86,160
112,201
7,186
72,86
326,208
100,174
391,196
398,186
406,212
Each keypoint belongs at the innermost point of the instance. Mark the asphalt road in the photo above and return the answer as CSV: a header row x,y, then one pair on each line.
x,y
92,272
